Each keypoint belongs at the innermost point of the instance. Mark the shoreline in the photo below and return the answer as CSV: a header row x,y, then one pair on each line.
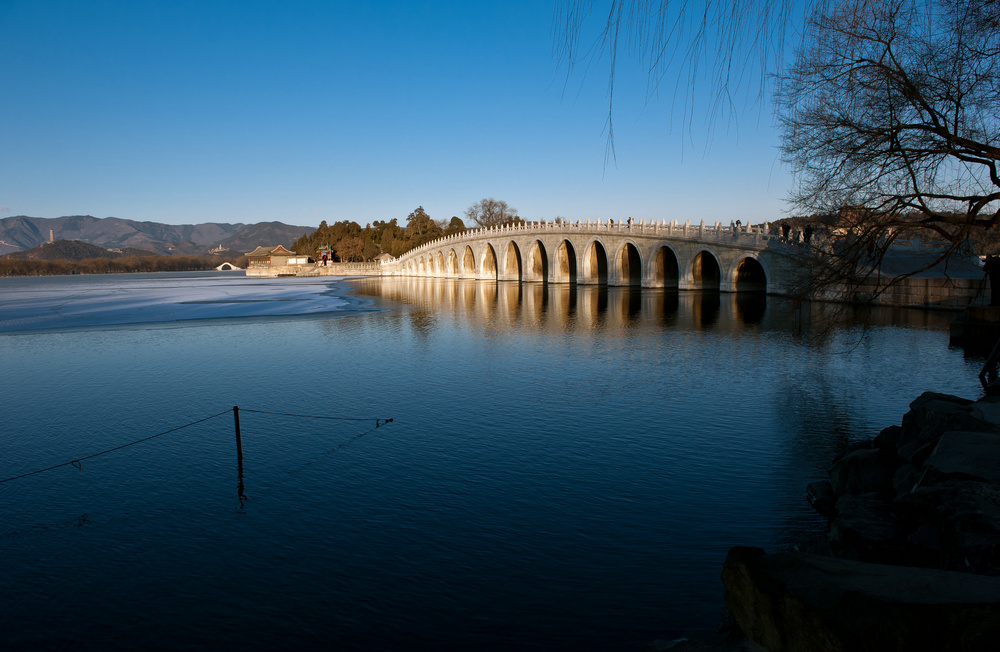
x,y
910,556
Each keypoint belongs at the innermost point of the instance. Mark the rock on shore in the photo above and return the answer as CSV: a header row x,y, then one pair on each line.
x,y
911,557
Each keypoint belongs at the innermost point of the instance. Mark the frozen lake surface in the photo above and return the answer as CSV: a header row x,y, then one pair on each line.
x,y
28,303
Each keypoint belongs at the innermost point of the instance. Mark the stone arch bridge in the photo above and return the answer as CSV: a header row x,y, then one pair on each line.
x,y
668,255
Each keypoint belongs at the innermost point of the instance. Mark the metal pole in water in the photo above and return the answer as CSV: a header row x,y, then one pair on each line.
x,y
239,456
239,442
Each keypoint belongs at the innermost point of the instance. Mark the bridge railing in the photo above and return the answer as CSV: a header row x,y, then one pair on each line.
x,y
360,266
748,234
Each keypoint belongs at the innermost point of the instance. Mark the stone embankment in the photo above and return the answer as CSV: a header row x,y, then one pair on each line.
x,y
911,557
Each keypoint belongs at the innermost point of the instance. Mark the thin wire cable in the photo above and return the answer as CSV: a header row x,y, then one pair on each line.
x,y
76,462
314,416
267,488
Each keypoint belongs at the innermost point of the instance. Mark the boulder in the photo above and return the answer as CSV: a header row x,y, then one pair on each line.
x,y
905,479
797,602
820,495
888,440
865,528
967,515
859,445
965,455
917,450
988,410
932,409
859,472
930,415
911,555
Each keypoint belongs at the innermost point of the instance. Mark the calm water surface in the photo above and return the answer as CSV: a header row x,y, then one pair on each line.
x,y
565,468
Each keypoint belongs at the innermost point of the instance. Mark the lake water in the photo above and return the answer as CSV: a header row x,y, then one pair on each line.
x,y
565,468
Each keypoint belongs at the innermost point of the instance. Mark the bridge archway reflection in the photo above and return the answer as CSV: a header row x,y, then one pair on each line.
x,y
750,307
599,312
566,307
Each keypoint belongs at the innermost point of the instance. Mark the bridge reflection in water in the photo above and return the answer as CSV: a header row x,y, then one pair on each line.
x,y
564,307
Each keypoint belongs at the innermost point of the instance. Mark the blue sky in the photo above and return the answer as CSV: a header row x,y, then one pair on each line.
x,y
248,111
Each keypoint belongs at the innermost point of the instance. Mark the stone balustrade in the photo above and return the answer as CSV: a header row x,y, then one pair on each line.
x,y
670,229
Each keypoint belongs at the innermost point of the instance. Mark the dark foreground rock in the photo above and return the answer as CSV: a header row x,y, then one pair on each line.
x,y
911,557
798,601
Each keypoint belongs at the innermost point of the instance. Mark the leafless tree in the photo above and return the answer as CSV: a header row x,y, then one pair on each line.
x,y
491,212
722,50
890,117
889,113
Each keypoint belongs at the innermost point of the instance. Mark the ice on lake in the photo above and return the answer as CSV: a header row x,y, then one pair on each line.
x,y
112,299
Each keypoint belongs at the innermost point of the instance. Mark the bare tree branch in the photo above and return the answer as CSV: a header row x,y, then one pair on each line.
x,y
719,50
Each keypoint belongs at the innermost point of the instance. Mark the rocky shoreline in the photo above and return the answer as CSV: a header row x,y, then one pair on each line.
x,y
910,559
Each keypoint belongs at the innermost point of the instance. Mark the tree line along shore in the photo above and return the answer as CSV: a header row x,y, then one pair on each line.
x,y
76,257
120,265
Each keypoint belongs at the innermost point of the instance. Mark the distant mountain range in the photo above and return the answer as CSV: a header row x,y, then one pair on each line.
x,y
22,233
74,250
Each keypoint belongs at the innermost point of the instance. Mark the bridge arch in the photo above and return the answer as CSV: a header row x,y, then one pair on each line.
x,y
664,270
747,274
512,269
595,263
628,265
705,272
488,267
565,267
646,255
538,263
468,262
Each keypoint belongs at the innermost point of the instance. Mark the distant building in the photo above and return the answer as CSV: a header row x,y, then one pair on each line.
x,y
274,261
264,257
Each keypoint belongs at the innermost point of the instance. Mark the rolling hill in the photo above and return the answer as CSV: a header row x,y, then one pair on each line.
x,y
21,233
74,250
